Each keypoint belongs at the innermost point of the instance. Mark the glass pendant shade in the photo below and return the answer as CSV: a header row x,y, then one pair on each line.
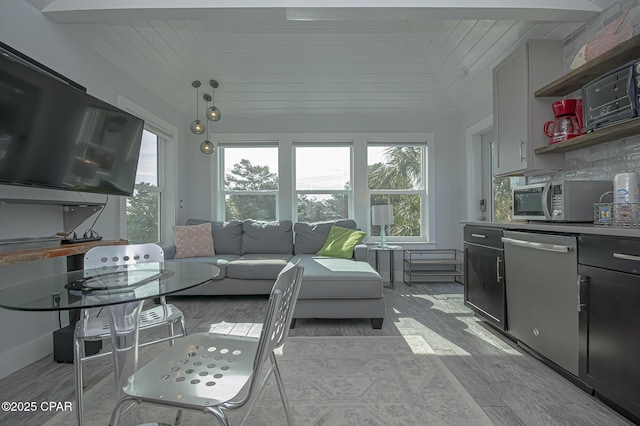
x,y
213,113
206,147
197,127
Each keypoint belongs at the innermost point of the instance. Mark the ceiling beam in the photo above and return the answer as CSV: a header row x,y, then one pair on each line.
x,y
102,11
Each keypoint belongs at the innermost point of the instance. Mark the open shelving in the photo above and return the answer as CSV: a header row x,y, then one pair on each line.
x,y
423,266
623,53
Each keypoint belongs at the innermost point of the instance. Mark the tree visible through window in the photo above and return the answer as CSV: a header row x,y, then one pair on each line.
x,y
143,208
250,183
396,176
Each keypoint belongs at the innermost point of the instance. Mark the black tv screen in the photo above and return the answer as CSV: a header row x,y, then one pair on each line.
x,y
53,135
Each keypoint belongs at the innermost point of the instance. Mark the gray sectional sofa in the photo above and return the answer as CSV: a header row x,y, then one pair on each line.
x,y
250,254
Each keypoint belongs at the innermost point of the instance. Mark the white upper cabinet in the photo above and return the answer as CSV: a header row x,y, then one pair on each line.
x,y
519,116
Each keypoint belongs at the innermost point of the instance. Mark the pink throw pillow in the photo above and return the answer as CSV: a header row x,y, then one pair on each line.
x,y
193,240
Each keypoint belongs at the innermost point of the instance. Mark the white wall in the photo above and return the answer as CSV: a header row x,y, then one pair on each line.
x,y
26,337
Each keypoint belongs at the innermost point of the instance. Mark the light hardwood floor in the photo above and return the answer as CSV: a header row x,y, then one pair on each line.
x,y
512,387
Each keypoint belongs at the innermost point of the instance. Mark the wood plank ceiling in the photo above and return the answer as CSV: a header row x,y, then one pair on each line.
x,y
268,64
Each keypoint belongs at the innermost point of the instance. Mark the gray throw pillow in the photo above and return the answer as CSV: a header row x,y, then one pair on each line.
x,y
267,237
227,236
310,237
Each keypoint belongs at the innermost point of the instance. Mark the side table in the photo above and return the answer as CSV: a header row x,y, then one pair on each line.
x,y
390,250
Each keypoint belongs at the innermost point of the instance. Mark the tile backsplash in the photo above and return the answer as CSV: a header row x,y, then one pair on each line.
x,y
605,160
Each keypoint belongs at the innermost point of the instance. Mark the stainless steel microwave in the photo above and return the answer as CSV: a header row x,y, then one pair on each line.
x,y
558,201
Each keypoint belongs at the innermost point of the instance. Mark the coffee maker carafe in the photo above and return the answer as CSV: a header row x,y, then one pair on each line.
x,y
568,121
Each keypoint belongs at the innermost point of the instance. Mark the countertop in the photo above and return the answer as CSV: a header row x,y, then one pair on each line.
x,y
569,228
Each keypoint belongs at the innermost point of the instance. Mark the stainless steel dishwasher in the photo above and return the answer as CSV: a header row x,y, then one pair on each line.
x,y
541,274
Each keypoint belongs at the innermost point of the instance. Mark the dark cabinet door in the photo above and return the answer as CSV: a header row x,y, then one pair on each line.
x,y
610,335
484,289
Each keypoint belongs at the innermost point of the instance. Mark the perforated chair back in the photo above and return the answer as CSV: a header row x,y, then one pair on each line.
x,y
275,329
93,328
105,256
215,373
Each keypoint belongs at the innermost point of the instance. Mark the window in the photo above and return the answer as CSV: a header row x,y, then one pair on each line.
x,y
148,215
397,175
250,182
323,182
502,188
143,209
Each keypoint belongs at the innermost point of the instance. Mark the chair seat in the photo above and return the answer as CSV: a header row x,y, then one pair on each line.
x,y
200,370
98,327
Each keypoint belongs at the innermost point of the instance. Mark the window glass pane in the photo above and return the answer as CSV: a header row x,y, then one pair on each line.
x,y
323,168
502,186
406,215
319,207
148,161
143,215
250,206
250,168
143,208
395,167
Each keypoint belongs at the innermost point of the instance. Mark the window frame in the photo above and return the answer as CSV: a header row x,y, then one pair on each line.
x,y
167,168
427,179
359,202
222,192
316,143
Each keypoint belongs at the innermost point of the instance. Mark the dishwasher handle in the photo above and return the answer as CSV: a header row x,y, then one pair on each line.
x,y
557,248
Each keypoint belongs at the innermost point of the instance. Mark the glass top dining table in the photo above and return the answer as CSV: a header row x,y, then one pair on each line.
x,y
122,290
106,286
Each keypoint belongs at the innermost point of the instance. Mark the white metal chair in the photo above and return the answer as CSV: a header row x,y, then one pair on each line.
x,y
214,373
93,328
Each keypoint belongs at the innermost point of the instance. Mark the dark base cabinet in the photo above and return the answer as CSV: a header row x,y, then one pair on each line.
x,y
484,286
610,321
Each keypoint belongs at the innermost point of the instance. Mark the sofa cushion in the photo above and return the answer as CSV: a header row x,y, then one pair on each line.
x,y
219,260
341,242
227,236
193,241
257,266
336,278
310,237
267,237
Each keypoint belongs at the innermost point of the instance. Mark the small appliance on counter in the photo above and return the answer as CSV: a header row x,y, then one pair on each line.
x,y
568,120
612,97
558,201
624,208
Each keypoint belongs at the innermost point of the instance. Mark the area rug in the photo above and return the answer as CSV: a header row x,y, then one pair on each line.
x,y
334,381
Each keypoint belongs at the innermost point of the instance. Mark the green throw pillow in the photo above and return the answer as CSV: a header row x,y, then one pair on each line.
x,y
341,242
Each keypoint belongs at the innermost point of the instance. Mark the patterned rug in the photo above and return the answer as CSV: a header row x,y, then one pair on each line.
x,y
334,381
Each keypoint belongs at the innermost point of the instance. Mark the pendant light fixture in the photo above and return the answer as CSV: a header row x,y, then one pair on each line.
x,y
213,113
196,125
207,147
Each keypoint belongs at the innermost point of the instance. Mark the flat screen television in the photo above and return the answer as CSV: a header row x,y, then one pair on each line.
x,y
54,135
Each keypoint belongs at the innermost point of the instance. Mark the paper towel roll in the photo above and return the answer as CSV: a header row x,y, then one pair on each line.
x,y
625,188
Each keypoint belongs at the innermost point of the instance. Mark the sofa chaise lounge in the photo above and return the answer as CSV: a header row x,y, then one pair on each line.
x,y
250,254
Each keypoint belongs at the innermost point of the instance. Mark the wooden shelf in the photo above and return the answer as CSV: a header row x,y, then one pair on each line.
x,y
623,53
12,257
607,134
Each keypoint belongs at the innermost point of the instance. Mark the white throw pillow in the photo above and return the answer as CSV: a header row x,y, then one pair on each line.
x,y
193,240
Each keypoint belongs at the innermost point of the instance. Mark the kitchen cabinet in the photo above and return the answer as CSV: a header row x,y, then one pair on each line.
x,y
518,115
609,287
484,286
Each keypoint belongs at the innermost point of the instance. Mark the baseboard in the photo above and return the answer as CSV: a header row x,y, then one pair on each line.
x,y
21,356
